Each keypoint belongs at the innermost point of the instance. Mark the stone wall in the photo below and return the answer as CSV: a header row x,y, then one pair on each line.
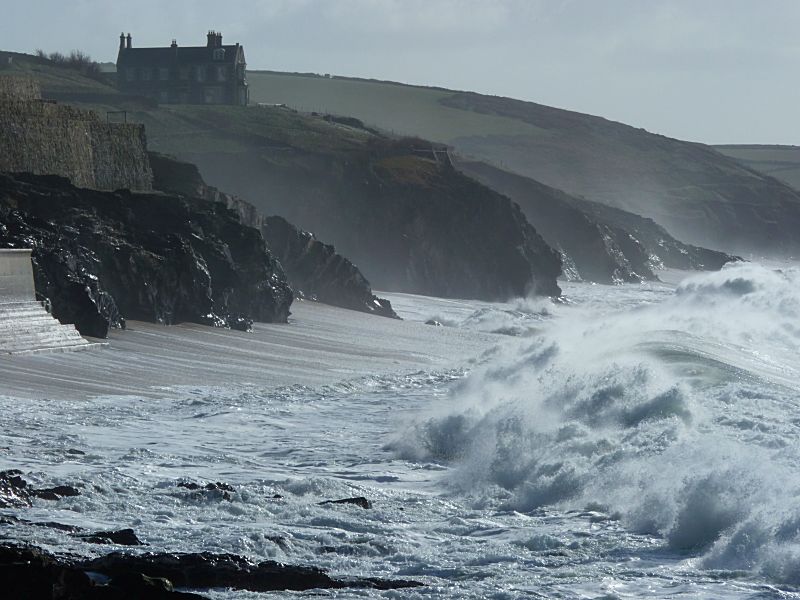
x,y
46,138
16,276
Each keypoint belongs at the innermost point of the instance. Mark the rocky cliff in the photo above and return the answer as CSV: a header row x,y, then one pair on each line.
x,y
104,256
599,243
317,272
43,137
410,223
314,269
407,220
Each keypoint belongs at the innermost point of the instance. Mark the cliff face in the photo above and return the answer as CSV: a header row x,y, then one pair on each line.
x,y
410,223
48,138
599,243
318,272
104,256
313,268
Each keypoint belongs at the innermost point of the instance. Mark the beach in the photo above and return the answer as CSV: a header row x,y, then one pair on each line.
x,y
320,345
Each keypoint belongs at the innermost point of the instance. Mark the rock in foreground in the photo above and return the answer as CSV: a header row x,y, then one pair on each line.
x,y
34,574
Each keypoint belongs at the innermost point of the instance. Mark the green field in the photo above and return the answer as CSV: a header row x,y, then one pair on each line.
x,y
781,162
55,78
400,109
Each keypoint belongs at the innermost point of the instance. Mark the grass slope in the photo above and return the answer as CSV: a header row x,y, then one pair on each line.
x,y
781,162
699,194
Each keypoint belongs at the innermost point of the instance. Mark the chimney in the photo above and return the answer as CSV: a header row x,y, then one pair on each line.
x,y
129,41
210,37
121,41
174,43
219,39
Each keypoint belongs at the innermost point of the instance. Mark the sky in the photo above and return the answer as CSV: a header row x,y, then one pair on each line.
x,y
712,71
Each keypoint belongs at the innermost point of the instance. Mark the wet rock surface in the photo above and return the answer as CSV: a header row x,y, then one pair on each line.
x,y
32,573
121,537
212,490
357,501
16,492
101,257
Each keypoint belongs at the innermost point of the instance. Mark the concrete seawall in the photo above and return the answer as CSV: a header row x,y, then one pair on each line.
x,y
25,326
46,138
16,276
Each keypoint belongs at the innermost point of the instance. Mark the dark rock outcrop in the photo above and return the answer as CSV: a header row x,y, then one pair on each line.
x,y
216,491
318,272
34,574
358,501
599,243
314,269
15,492
121,537
99,256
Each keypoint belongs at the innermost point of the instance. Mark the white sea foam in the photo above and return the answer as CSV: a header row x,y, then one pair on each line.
x,y
682,416
636,441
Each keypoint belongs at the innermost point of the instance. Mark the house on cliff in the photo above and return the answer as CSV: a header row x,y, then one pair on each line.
x,y
210,74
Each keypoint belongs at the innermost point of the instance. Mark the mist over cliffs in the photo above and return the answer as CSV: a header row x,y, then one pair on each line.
x,y
696,193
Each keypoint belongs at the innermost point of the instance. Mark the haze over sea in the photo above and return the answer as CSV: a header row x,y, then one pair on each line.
x,y
633,441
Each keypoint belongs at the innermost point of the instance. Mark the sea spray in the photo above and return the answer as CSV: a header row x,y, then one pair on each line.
x,y
682,417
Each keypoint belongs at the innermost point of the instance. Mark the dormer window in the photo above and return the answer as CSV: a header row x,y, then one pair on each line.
x,y
219,54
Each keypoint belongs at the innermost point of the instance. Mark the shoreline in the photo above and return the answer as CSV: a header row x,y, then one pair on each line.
x,y
320,345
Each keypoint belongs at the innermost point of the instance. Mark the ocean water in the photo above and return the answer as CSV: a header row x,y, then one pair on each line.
x,y
635,441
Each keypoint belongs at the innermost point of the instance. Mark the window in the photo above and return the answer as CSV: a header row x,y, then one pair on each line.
x,y
130,74
147,74
221,74
200,73
163,97
210,96
163,73
184,73
219,54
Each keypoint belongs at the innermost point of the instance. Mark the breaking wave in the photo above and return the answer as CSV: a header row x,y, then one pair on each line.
x,y
680,418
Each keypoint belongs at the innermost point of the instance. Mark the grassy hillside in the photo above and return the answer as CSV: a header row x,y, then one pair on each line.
x,y
54,78
698,194
780,162
401,109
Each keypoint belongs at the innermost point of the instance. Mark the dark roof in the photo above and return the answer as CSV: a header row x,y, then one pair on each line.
x,y
186,55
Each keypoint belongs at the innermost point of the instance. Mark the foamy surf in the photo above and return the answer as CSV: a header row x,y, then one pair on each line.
x,y
638,441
